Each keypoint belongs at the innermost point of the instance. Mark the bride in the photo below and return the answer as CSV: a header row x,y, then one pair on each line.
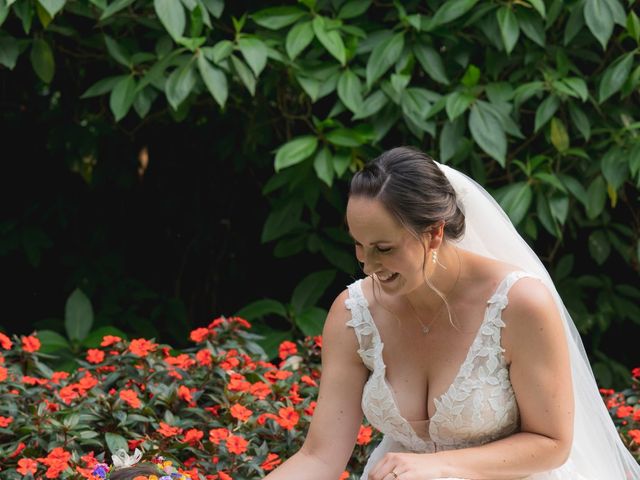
x,y
455,345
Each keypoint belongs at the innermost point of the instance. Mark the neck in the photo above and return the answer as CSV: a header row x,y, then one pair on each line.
x,y
444,275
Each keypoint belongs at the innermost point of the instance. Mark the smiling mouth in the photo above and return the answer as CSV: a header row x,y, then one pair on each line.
x,y
388,278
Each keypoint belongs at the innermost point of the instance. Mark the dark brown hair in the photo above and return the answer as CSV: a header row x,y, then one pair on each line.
x,y
129,473
412,187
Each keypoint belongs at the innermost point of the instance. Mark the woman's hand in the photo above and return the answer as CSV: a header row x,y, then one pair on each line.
x,y
406,466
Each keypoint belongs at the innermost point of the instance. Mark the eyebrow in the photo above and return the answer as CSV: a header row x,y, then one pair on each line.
x,y
372,243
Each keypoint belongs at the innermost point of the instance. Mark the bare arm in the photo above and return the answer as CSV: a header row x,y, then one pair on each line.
x,y
338,414
540,374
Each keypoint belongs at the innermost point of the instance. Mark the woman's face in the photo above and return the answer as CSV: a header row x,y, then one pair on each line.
x,y
386,248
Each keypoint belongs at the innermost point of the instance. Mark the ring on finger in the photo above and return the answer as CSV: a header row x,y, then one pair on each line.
x,y
395,475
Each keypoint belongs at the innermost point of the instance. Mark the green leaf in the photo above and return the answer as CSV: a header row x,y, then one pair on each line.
x,y
599,19
344,137
9,51
114,7
451,10
78,315
509,28
171,14
52,6
559,135
122,97
532,26
261,308
580,120
215,7
254,52
309,291
372,105
599,246
52,341
431,62
311,321
116,442
383,56
457,104
543,210
281,221
615,167
353,8
633,26
350,90
42,60
295,151
143,101
330,39
180,84
298,38
214,79
117,52
219,52
545,111
596,197
488,132
323,166
471,76
103,86
245,74
577,85
615,76
515,199
575,187
451,139
275,18
540,7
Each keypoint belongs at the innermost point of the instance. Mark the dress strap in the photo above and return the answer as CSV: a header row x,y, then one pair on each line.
x,y
499,299
361,322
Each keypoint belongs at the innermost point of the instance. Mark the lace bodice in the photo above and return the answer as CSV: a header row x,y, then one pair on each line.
x,y
478,407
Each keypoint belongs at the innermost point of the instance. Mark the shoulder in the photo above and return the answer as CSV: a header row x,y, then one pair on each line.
x,y
337,336
532,319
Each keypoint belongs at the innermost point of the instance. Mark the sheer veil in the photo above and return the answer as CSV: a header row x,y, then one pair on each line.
x,y
597,451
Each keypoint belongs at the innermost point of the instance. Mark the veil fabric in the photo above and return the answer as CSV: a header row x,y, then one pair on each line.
x,y
597,451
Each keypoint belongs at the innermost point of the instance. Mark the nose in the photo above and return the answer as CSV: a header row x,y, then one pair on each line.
x,y
367,262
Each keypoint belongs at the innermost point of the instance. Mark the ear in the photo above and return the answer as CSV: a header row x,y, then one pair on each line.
x,y
434,235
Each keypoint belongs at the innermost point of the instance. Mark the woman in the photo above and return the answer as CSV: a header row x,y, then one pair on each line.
x,y
456,345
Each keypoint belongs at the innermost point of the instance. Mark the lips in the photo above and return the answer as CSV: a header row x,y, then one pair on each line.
x,y
387,277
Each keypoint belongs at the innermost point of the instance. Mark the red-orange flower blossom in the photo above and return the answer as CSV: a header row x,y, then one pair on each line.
x,y
236,444
130,397
95,355
30,343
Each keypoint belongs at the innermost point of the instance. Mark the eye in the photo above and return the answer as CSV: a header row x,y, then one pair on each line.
x,y
383,250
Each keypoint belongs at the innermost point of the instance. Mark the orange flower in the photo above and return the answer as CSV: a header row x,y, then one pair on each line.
x,y
193,436
241,413
236,444
130,397
199,334
364,435
287,348
288,418
635,435
27,466
5,421
109,340
635,373
216,435
21,446
30,344
241,321
311,408
262,418
344,476
95,356
271,462
204,357
5,342
624,411
308,380
169,431
275,375
237,383
317,340
3,374
185,394
57,461
142,347
57,376
260,390
224,476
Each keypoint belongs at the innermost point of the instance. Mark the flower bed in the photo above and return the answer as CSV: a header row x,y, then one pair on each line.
x,y
216,409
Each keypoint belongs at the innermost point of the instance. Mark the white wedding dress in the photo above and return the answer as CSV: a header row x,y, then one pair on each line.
x,y
478,407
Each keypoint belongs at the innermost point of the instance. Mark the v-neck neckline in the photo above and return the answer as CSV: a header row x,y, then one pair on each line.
x,y
459,372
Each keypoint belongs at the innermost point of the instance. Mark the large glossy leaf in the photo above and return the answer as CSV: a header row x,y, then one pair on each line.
x,y
78,315
509,28
281,221
596,197
323,166
615,167
545,111
431,62
114,7
599,246
457,104
214,79
488,132
42,60
580,120
350,90
254,52
9,51
311,321
353,8
310,290
180,84
330,39
515,199
295,151
615,76
52,6
245,74
260,308
451,10
276,18
559,135
298,38
372,105
599,19
383,56
122,96
171,14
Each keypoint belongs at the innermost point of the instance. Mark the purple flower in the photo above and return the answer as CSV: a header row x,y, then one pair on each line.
x,y
100,470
